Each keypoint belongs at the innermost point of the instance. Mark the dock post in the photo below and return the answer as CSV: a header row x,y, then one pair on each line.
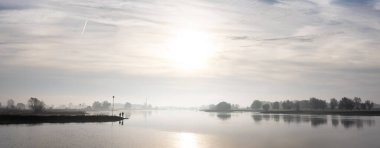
x,y
113,99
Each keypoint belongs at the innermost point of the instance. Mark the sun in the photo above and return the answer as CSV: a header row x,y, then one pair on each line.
x,y
190,49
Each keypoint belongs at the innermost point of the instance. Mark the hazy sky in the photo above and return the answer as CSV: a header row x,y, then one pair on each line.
x,y
188,52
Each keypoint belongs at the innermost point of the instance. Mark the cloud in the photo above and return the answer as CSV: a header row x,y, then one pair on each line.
x,y
303,47
238,37
269,1
18,5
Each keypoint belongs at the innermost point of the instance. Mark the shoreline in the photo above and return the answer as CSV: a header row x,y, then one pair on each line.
x,y
307,112
327,112
38,119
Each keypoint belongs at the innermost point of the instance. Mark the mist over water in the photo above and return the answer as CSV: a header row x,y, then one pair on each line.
x,y
196,129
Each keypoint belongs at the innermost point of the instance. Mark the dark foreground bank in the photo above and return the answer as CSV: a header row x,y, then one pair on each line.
x,y
35,119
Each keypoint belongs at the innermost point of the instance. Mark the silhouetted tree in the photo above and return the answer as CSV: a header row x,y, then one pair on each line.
x,y
276,105
369,104
346,103
357,101
20,106
106,105
256,104
211,106
333,103
223,106
127,105
97,105
363,106
297,105
36,105
235,106
287,104
10,103
305,104
266,107
317,103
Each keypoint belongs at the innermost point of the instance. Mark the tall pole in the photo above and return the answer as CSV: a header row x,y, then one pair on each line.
x,y
113,99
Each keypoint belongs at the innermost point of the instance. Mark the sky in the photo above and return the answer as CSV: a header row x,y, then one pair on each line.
x,y
188,52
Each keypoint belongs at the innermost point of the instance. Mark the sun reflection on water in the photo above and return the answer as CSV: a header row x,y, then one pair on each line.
x,y
187,140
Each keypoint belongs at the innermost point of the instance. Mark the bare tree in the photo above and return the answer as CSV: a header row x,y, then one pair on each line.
x,y
127,105
297,105
10,103
20,106
333,103
369,104
276,105
106,105
346,103
36,105
266,107
357,102
256,104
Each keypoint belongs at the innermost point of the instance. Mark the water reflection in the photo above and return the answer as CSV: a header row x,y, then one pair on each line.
x,y
348,123
257,117
276,118
187,140
335,122
121,122
316,120
224,116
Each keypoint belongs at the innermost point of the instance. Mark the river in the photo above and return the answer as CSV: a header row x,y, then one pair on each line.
x,y
196,129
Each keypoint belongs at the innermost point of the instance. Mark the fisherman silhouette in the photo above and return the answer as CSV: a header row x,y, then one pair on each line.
x,y
119,114
122,114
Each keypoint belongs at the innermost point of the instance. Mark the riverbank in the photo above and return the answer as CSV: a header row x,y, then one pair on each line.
x,y
232,110
312,112
326,112
36,119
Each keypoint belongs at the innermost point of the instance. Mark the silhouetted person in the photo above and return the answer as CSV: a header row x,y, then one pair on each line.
x,y
119,114
122,114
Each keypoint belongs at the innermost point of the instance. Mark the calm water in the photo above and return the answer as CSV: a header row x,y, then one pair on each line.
x,y
195,129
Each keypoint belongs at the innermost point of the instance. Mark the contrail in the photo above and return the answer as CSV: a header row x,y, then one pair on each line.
x,y
84,27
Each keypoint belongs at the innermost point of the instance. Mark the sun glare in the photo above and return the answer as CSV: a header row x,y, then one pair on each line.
x,y
190,49
187,140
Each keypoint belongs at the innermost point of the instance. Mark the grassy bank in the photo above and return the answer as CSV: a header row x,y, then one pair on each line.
x,y
35,119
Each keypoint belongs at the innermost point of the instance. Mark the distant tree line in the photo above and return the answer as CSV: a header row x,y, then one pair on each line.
x,y
315,104
127,105
105,105
223,106
33,104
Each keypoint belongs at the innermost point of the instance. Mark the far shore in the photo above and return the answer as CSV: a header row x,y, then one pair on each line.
x,y
327,112
311,112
